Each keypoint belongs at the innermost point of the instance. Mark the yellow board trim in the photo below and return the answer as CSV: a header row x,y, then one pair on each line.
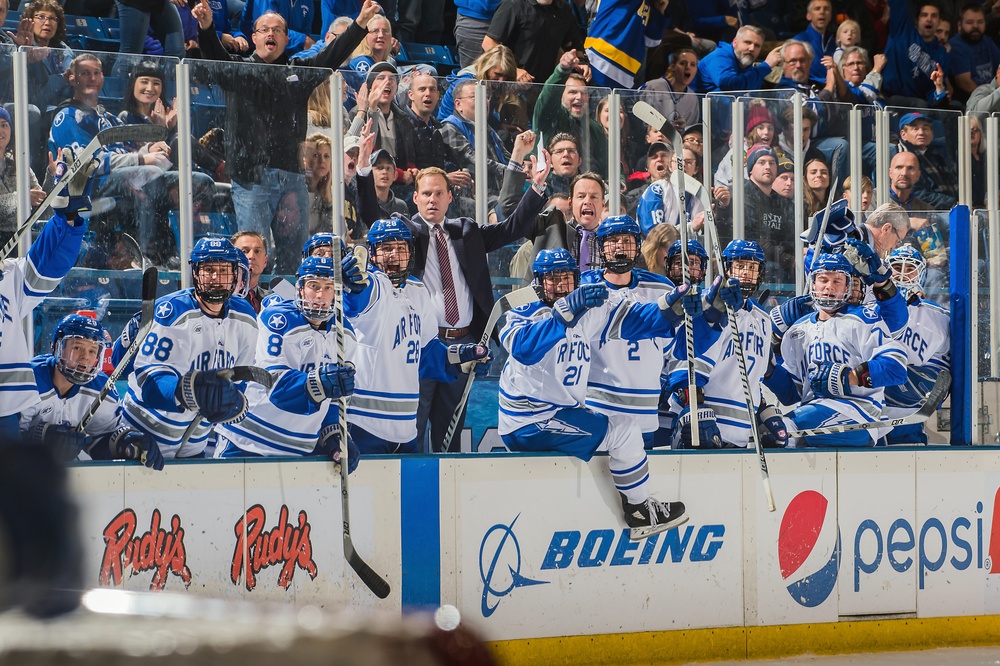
x,y
732,643
613,54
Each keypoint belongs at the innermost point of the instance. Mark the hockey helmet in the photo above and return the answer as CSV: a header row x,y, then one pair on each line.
x,y
751,264
390,258
550,267
243,279
694,249
79,363
909,269
614,227
827,294
215,250
312,269
323,242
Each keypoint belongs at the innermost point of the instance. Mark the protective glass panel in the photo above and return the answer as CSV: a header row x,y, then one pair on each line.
x,y
988,347
931,136
9,183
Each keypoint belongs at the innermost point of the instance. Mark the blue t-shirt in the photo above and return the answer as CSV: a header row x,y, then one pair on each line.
x,y
980,60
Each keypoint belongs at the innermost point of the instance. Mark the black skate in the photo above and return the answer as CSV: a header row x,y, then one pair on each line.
x,y
652,517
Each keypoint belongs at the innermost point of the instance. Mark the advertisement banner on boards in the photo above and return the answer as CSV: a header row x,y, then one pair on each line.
x,y
545,551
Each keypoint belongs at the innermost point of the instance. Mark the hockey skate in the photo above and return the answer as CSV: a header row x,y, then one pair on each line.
x,y
652,517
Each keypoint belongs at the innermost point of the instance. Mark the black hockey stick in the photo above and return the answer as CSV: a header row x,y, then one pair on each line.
x,y
646,113
112,135
514,299
937,393
149,282
713,235
378,585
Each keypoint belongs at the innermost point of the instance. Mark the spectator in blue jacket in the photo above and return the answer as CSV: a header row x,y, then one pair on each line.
x,y
817,35
913,54
731,66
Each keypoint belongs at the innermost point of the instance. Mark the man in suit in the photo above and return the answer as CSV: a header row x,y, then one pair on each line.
x,y
463,292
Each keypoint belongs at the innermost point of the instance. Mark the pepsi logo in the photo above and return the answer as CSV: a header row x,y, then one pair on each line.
x,y
809,548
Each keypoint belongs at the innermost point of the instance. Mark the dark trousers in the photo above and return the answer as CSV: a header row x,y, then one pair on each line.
x,y
438,401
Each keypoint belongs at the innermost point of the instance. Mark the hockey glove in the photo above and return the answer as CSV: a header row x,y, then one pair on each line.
x,y
830,380
708,431
355,279
774,435
789,312
329,445
330,382
684,298
64,441
129,444
719,297
869,265
74,196
216,398
467,358
568,309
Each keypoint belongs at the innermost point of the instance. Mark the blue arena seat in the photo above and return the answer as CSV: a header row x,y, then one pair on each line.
x,y
434,54
89,26
102,45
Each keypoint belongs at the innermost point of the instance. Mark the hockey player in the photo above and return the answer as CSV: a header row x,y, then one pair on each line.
x,y
543,383
927,340
697,259
298,344
26,281
195,333
837,361
69,380
745,261
398,345
318,245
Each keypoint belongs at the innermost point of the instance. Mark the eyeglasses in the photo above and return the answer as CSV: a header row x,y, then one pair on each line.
x,y
568,151
45,18
693,139
380,31
278,30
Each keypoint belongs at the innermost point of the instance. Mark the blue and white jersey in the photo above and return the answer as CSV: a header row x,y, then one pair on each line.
x,y
625,374
287,421
724,390
70,409
25,282
184,338
852,336
74,126
549,364
398,345
927,341
619,35
658,203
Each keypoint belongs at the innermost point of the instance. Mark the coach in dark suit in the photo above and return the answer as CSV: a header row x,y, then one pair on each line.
x,y
450,258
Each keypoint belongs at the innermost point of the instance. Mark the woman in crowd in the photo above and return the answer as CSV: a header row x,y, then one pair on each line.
x,y
8,181
760,127
499,65
671,93
319,151
604,118
655,246
817,186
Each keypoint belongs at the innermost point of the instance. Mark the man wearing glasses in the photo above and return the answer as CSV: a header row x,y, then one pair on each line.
x,y
266,117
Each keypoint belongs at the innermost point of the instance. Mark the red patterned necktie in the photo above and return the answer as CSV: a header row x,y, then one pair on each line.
x,y
447,282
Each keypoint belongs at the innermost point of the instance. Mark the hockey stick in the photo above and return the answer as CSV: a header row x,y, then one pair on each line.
x,y
646,113
133,247
149,282
378,585
713,235
112,135
514,299
937,393
822,226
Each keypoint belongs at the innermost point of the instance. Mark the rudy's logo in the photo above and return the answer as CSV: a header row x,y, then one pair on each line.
x,y
500,565
809,548
258,549
156,550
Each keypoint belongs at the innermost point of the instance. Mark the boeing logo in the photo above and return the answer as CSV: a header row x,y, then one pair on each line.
x,y
500,558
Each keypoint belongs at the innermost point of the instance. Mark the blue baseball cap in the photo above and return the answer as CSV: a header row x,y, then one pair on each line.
x,y
909,118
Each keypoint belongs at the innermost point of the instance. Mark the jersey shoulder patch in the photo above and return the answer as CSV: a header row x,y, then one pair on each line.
x,y
170,307
280,317
43,366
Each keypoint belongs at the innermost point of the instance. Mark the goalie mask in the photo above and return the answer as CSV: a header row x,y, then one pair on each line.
x,y
909,270
390,245
315,288
830,282
620,240
215,269
744,260
78,347
556,274
697,257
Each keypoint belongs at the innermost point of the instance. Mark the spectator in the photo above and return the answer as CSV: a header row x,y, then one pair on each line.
x,y
731,66
471,25
604,118
823,43
566,162
938,183
137,16
943,33
985,98
760,128
8,180
536,31
254,247
563,106
672,94
848,34
904,172
694,138
655,246
786,143
319,172
497,65
658,203
429,147
914,56
46,68
297,18
331,10
8,38
974,60
693,165
378,46
862,82
784,182
817,187
769,217
867,192
225,28
266,118
336,29
978,173
383,175
459,133
618,36
393,129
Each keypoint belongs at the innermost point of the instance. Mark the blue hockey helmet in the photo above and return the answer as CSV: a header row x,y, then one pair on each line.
x,y
751,267
548,267
829,296
673,261
623,260
909,269
311,269
215,250
390,259
79,363
321,245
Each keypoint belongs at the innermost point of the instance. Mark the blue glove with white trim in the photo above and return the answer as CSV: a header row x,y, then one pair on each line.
x,y
683,299
866,262
329,445
709,435
129,444
468,358
830,380
571,307
74,195
774,435
789,312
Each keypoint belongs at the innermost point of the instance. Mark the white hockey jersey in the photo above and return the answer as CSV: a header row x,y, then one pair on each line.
x,y
927,341
184,338
286,421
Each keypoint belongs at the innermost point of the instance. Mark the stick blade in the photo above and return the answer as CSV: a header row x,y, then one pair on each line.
x,y
938,392
252,373
649,115
378,585
521,297
132,133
